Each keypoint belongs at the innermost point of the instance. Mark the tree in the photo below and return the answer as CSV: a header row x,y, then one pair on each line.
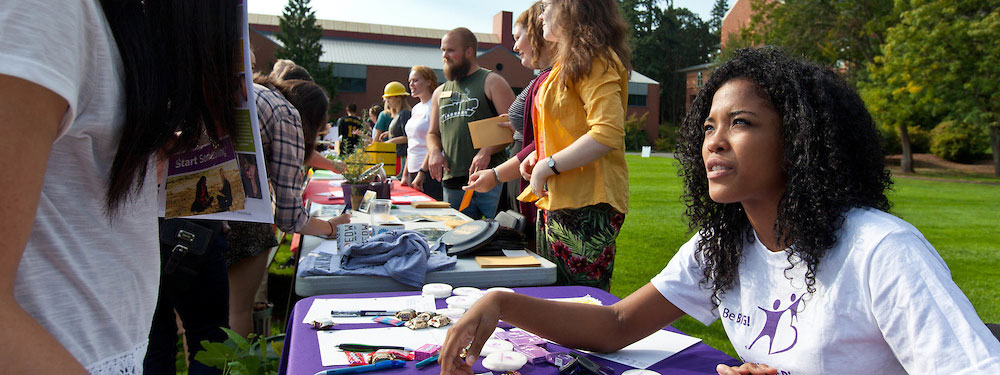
x,y
718,14
942,58
300,35
845,35
665,39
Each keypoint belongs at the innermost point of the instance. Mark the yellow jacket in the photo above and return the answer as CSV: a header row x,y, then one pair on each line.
x,y
596,106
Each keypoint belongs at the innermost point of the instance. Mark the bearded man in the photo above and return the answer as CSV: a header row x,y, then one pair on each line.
x,y
471,93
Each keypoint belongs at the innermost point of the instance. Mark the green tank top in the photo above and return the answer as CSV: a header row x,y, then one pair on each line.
x,y
461,102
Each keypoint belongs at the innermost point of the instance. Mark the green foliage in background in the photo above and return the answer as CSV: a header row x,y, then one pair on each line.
x,y
841,34
719,10
635,135
941,60
664,40
299,35
957,141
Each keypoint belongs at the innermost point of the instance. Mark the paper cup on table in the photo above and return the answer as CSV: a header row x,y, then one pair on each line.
x,y
504,361
437,290
460,302
467,291
496,346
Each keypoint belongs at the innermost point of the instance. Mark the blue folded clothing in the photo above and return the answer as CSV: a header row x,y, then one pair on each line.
x,y
401,254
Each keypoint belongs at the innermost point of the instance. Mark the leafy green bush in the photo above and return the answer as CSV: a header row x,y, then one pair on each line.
x,y
958,141
667,141
890,140
920,139
240,356
635,136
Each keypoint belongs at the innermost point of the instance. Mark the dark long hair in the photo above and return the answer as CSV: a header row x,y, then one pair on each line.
x,y
592,28
179,60
833,162
312,102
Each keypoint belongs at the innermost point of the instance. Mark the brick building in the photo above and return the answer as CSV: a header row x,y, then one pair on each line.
x,y
367,56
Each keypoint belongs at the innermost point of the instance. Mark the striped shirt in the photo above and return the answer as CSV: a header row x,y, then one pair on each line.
x,y
284,152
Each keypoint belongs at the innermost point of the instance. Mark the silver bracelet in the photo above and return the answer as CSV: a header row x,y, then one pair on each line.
x,y
497,175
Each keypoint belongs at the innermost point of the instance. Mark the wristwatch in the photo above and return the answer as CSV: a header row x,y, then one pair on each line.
x,y
552,165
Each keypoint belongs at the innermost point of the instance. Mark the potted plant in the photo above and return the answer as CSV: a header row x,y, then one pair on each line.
x,y
355,184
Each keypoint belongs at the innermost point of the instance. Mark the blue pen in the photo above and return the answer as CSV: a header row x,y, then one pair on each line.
x,y
427,362
384,365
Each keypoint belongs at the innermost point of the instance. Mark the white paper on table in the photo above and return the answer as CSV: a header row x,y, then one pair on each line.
x,y
321,308
336,183
515,253
395,336
324,211
326,247
335,194
413,198
587,299
650,350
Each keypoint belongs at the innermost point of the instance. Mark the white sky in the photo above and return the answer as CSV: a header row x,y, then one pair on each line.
x,y
477,15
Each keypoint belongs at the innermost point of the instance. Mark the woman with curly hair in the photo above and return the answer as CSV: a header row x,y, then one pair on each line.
x,y
535,53
794,250
581,182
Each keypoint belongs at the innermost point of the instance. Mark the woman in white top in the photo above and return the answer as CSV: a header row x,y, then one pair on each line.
x,y
423,81
794,252
91,94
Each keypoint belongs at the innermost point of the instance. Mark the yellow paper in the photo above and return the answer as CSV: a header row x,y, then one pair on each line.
x,y
505,261
486,132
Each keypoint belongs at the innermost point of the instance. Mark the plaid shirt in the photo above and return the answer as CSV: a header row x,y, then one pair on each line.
x,y
284,150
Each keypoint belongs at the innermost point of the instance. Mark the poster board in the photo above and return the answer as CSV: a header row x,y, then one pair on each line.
x,y
241,161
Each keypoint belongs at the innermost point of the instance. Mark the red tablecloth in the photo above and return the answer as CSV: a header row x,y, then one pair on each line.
x,y
301,355
399,193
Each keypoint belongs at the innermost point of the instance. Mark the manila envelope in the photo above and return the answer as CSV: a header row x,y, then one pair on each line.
x,y
486,132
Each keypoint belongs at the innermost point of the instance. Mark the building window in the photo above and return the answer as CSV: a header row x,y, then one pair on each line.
x,y
351,84
637,100
700,80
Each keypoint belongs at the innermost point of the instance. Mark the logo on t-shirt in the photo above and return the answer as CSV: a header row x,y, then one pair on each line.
x,y
462,105
771,329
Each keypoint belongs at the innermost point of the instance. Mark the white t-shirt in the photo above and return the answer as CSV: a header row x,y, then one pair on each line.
x,y
884,304
416,136
89,281
333,134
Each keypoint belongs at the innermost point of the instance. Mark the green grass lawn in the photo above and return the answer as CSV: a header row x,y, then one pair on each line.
x,y
961,220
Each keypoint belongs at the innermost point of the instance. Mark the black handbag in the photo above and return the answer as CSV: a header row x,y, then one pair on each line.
x,y
182,246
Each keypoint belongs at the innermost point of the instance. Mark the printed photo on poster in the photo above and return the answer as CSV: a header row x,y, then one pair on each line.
x,y
203,181
366,202
248,172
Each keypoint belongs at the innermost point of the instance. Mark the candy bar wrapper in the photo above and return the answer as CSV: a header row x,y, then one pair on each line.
x,y
521,337
388,320
425,351
356,359
499,334
535,354
405,355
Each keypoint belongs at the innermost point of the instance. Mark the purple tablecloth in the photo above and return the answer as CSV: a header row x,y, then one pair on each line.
x,y
301,351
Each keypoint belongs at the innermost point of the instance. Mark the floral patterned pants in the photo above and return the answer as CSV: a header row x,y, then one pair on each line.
x,y
581,242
